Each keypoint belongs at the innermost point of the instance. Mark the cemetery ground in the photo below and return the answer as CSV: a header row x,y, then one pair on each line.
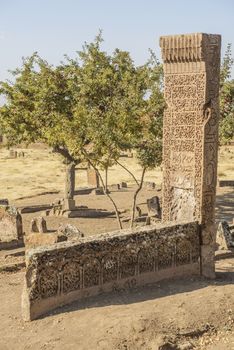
x,y
194,312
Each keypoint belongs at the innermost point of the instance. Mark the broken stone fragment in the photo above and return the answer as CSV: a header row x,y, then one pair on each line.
x,y
11,227
38,224
4,201
70,231
224,236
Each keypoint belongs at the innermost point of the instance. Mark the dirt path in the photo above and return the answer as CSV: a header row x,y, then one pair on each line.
x,y
195,311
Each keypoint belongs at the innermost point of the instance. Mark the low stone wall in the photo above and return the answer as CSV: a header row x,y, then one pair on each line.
x,y
65,272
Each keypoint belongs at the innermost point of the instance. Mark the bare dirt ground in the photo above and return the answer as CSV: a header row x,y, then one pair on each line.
x,y
194,313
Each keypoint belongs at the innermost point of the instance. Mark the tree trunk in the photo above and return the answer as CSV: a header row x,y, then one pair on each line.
x,y
135,197
70,181
106,179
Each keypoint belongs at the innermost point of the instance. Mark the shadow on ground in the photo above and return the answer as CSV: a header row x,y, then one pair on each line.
x,y
225,206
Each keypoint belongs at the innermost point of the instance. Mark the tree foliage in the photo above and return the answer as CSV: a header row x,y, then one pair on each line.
x,y
226,127
88,108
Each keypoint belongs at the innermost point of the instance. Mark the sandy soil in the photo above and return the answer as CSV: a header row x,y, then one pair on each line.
x,y
42,171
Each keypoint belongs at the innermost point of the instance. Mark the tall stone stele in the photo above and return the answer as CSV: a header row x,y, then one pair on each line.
x,y
190,139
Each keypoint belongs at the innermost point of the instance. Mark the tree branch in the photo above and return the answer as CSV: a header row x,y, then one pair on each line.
x,y
135,197
106,191
65,153
125,168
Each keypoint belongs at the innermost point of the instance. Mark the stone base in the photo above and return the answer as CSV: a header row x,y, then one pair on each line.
x,y
208,261
12,244
69,204
86,213
82,212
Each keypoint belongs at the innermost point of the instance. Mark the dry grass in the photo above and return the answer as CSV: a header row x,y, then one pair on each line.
x,y
41,171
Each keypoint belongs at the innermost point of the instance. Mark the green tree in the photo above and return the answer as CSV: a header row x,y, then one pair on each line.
x,y
123,106
39,107
90,108
226,125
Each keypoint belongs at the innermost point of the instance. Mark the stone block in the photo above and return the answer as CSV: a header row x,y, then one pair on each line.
x,y
97,191
224,236
121,260
123,185
149,185
11,228
114,187
92,178
38,224
12,154
34,240
154,208
4,201
70,231
69,204
226,183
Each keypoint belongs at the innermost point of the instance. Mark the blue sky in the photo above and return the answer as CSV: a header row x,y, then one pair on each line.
x,y
58,27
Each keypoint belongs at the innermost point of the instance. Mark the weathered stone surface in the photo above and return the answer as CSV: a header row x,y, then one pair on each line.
x,y
11,229
70,231
224,237
69,271
4,201
123,185
149,185
35,239
98,191
12,154
93,178
114,187
226,183
69,204
190,129
70,181
21,154
153,206
38,224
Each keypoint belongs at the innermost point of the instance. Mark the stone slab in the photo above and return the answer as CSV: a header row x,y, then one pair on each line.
x,y
120,260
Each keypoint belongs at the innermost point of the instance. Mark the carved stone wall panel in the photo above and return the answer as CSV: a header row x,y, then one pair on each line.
x,y
110,268
73,270
146,260
91,272
128,264
71,277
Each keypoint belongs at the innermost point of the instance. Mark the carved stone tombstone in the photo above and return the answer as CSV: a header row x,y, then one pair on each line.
x,y
92,178
190,133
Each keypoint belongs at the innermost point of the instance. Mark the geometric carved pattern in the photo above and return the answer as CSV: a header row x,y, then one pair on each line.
x,y
48,282
146,260
110,268
70,271
91,271
190,140
127,265
62,274
71,277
